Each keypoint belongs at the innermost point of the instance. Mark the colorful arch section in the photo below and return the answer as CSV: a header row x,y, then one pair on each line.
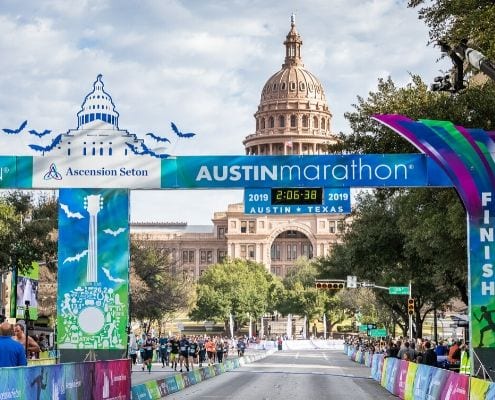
x,y
467,158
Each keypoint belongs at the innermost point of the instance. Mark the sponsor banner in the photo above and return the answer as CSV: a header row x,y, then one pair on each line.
x,y
140,392
437,382
456,387
16,172
411,375
162,387
478,389
78,380
112,379
96,172
377,362
93,251
172,384
392,368
400,381
180,382
152,389
422,381
187,379
390,170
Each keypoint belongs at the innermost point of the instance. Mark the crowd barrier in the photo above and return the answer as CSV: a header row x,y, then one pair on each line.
x,y
96,380
411,381
156,389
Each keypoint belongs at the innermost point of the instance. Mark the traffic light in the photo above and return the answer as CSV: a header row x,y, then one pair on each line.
x,y
332,285
410,306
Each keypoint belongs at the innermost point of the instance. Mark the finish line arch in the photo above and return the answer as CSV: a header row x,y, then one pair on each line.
x,y
95,166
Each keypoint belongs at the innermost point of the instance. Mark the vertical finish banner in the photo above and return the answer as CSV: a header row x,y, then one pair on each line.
x,y
93,269
467,157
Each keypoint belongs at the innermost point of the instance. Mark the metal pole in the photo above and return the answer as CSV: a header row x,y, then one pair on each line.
x,y
410,315
26,318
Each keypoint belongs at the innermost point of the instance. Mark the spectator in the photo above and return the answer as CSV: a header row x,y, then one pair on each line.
x,y
12,353
403,350
429,356
19,336
454,356
441,349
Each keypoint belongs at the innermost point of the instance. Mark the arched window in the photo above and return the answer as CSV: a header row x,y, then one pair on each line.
x,y
293,121
315,122
305,121
281,121
262,123
323,123
271,122
257,124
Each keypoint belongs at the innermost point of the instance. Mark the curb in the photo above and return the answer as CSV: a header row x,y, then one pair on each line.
x,y
159,388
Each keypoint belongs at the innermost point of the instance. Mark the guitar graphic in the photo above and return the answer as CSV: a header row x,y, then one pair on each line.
x,y
93,205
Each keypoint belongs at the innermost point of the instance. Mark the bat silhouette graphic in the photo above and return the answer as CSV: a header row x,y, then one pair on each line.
x,y
77,257
152,153
179,133
40,134
157,138
135,150
48,148
16,131
110,277
114,232
69,213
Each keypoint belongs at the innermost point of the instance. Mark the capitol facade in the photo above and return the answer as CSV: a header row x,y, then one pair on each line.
x,y
293,118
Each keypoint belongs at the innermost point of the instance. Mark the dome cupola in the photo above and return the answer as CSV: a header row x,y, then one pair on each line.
x,y
98,109
293,115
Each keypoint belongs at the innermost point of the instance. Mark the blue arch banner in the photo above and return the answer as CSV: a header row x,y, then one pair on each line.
x,y
222,172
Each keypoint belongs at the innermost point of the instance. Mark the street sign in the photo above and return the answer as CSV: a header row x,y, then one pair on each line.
x,y
398,290
378,332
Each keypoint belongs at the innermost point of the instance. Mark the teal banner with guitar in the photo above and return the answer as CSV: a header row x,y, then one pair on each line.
x,y
93,269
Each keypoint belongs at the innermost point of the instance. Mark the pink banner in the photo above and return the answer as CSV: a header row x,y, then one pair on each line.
x,y
112,380
456,387
400,381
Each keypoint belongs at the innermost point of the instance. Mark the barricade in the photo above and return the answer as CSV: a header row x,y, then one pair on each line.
x,y
156,389
409,380
95,380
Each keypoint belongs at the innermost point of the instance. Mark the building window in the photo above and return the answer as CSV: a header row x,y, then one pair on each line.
x,y
262,224
302,86
275,252
251,252
315,122
291,251
283,86
281,121
293,86
262,123
275,270
293,121
252,226
331,226
323,123
188,256
243,226
221,256
222,230
305,121
205,256
307,250
340,226
271,122
322,224
257,124
243,251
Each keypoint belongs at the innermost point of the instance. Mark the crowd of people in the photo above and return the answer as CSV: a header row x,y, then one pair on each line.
x,y
444,354
182,352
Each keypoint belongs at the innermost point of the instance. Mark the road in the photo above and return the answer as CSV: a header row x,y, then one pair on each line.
x,y
292,375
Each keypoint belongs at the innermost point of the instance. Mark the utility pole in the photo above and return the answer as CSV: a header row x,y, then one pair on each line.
x,y
410,315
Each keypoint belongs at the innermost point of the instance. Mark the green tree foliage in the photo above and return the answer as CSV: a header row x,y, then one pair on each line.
x,y
28,227
243,288
155,290
455,20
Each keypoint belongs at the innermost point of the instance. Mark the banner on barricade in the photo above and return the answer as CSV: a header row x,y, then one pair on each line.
x,y
437,382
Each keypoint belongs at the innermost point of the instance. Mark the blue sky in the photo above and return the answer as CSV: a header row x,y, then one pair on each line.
x,y
201,64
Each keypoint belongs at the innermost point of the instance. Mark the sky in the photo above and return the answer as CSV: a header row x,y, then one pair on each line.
x,y
200,64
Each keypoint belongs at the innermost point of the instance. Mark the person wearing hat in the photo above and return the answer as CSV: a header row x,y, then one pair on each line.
x,y
12,353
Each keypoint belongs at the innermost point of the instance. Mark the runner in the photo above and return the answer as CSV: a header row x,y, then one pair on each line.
x,y
148,346
211,350
162,342
193,352
183,352
202,351
174,352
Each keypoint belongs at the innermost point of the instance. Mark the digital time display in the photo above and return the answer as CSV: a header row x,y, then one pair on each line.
x,y
289,196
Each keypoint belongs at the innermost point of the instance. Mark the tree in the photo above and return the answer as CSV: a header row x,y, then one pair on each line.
x,y
238,287
28,229
155,291
454,21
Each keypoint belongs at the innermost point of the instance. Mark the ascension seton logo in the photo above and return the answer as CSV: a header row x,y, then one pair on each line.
x,y
52,173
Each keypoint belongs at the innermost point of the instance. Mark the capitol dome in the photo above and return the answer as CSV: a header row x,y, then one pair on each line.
x,y
293,115
98,110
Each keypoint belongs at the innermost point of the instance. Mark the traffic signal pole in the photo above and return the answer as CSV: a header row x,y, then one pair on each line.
x,y
410,315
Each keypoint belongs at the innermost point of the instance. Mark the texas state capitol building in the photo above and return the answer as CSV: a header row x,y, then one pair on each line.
x,y
293,117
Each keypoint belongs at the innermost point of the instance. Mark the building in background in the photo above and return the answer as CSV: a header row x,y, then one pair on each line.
x,y
293,117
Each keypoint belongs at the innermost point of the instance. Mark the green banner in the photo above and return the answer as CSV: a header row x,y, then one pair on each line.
x,y
378,332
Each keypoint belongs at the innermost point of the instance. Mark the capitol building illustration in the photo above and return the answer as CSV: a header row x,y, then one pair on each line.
x,y
293,117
